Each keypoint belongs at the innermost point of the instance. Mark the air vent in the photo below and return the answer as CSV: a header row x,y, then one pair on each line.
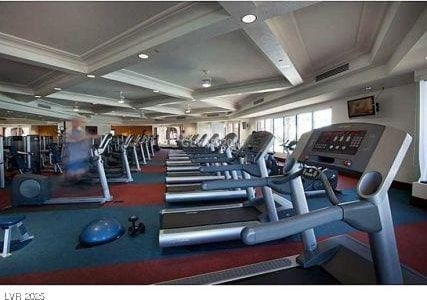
x,y
258,101
212,115
180,117
44,106
332,72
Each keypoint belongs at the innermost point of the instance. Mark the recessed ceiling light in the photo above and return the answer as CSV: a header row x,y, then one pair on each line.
x,y
156,91
57,89
90,76
368,88
37,96
75,109
248,19
143,56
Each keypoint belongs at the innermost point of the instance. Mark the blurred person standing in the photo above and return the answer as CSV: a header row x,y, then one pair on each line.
x,y
76,153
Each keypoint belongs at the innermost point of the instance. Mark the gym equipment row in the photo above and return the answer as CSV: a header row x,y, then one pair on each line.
x,y
375,151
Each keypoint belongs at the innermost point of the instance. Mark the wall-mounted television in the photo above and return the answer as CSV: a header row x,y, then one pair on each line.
x,y
361,107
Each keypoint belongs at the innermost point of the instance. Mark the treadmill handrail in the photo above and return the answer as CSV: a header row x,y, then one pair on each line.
x,y
275,182
265,232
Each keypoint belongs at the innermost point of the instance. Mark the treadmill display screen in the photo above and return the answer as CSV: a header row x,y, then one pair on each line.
x,y
259,142
340,142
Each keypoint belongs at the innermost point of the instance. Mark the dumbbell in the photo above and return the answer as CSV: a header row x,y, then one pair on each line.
x,y
134,229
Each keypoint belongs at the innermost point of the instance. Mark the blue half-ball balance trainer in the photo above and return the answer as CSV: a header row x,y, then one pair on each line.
x,y
101,231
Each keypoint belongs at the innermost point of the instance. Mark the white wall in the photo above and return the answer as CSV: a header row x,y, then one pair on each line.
x,y
190,128
397,108
250,126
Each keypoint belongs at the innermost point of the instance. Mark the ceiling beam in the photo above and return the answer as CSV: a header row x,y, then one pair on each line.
x,y
218,102
167,110
148,82
248,87
76,97
261,34
397,23
153,101
9,103
119,113
30,52
14,88
417,32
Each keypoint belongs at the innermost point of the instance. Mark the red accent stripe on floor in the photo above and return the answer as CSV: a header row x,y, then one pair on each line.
x,y
137,194
153,169
157,270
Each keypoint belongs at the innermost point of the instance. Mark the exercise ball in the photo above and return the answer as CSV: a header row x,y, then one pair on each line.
x,y
101,231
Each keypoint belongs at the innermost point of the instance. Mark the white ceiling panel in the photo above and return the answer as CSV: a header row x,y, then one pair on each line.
x,y
20,73
329,28
229,58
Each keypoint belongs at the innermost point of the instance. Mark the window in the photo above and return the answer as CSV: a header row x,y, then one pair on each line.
x,y
212,127
233,127
260,125
278,133
322,118
304,123
217,127
269,125
290,128
203,128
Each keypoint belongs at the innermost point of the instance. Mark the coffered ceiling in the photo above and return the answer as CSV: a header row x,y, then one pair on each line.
x,y
47,49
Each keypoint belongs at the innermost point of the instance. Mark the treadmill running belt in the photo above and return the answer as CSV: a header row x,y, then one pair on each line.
x,y
209,217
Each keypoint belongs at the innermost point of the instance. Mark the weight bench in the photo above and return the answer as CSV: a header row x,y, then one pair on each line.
x,y
7,223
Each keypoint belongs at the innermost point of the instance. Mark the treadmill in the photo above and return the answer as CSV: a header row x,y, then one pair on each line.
x,y
182,165
376,152
206,224
210,147
199,145
229,142
229,164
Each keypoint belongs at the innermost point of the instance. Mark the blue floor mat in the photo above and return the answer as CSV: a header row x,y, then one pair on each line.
x,y
56,236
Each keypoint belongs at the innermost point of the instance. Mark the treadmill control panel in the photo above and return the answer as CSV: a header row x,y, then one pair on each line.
x,y
343,142
345,146
257,145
